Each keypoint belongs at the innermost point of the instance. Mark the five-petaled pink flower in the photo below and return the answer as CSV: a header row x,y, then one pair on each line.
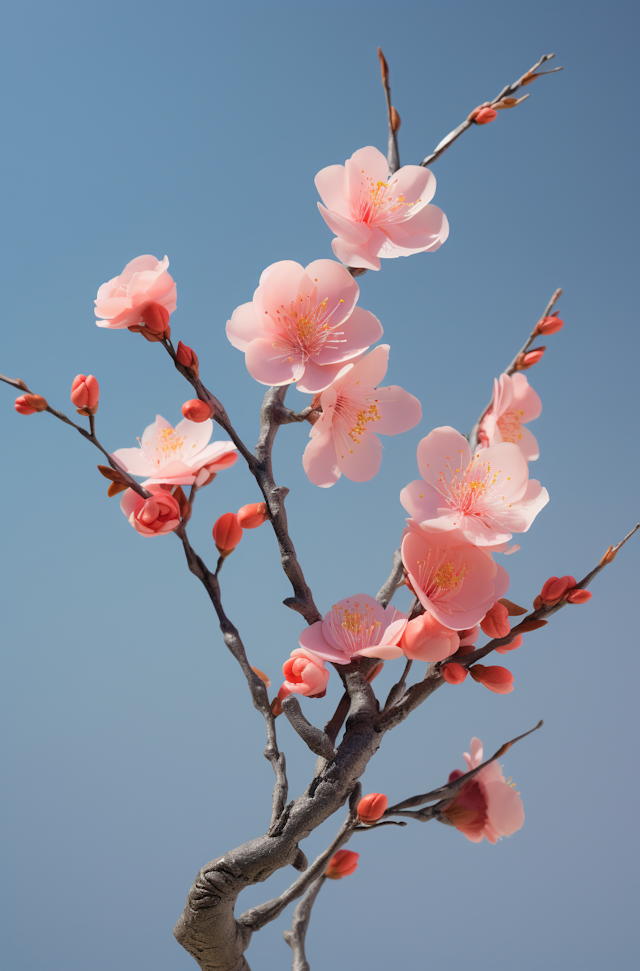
x,y
485,499
354,408
356,627
375,214
454,580
514,403
155,516
487,805
123,300
302,325
177,456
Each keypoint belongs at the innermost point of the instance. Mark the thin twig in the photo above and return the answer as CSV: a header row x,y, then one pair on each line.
x,y
509,90
393,156
295,937
512,368
394,581
398,690
313,737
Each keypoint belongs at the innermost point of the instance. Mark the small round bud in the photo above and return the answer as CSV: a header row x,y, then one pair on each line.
x,y
525,361
227,533
196,410
454,673
579,596
23,407
556,588
549,325
156,317
372,807
493,677
342,864
496,621
485,115
253,515
85,394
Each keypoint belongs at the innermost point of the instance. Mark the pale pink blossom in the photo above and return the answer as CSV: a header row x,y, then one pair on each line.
x,y
485,498
514,404
356,627
426,639
302,325
454,580
177,456
375,214
155,516
486,806
305,674
123,300
354,408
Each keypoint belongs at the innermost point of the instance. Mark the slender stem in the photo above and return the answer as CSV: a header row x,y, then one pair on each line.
x,y
393,155
295,937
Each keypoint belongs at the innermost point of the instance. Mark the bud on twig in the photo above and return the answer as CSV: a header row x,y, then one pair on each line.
x,y
196,410
494,677
188,358
454,673
549,325
396,120
384,67
227,533
525,361
28,404
372,807
85,394
579,596
342,864
496,622
253,515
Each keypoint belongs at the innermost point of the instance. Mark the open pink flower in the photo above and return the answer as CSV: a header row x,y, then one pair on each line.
x,y
485,499
454,580
177,456
353,409
155,516
356,627
122,300
375,214
486,806
514,403
304,674
302,325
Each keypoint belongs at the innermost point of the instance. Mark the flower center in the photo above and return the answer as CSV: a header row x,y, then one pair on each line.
x,y
510,425
354,628
441,575
305,327
166,446
474,491
353,413
377,203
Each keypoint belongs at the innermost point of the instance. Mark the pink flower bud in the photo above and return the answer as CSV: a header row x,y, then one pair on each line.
x,y
155,516
253,515
485,115
187,357
342,864
425,639
372,807
493,677
579,596
33,401
196,410
85,394
496,622
156,317
525,361
454,673
23,407
305,674
556,588
227,532
516,642
549,325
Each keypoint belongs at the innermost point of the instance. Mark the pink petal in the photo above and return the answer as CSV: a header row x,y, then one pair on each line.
x,y
130,502
334,284
426,231
399,411
414,182
366,165
330,183
441,447
318,378
244,326
525,397
369,371
268,365
420,501
348,230
356,255
139,265
529,445
210,454
386,652
196,435
504,808
356,335
359,460
312,639
319,460
112,307
133,460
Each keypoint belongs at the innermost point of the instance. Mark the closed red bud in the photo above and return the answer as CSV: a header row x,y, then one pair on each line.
x,y
556,588
579,596
253,515
196,410
227,532
493,677
372,807
23,407
374,672
156,317
525,361
35,401
342,864
516,642
549,325
454,673
496,621
187,357
485,115
85,394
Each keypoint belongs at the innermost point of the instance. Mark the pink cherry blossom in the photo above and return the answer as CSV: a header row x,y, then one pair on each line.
x,y
454,580
177,456
305,674
353,409
375,214
302,325
122,300
486,806
514,404
156,516
425,639
486,498
356,627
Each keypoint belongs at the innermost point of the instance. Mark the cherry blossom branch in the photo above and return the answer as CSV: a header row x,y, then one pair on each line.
x,y
445,793
506,93
513,367
393,156
394,581
295,937
89,435
418,693
257,917
313,737
256,685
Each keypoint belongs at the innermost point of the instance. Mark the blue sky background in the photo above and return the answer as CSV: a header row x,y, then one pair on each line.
x,y
133,755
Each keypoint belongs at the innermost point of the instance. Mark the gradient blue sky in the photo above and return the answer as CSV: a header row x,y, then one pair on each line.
x,y
133,755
